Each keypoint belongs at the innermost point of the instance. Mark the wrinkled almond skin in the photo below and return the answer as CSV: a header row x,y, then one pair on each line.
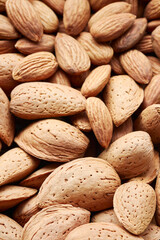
x,y
55,221
156,41
35,67
53,140
152,10
155,63
112,27
130,155
57,6
126,199
157,189
100,120
145,45
134,6
152,25
116,65
76,15
137,65
96,5
2,5
60,77
25,19
91,178
71,56
45,100
81,121
7,46
7,30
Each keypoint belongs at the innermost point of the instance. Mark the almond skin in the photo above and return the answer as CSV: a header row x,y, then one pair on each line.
x,y
152,10
76,15
130,155
155,63
58,100
157,189
7,46
112,27
91,178
2,5
145,45
126,199
57,6
7,30
134,6
99,53
152,25
60,77
25,19
35,67
100,120
116,65
71,56
81,121
156,40
96,5
53,140
137,65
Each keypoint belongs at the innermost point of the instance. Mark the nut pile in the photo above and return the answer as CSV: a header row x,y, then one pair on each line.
x,y
80,119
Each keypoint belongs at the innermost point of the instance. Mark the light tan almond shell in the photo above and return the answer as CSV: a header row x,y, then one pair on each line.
x,y
81,121
156,41
152,25
11,195
48,18
107,216
55,222
60,77
76,15
152,172
122,96
155,63
36,179
25,19
134,205
110,9
71,56
103,231
96,5
145,44
7,63
57,6
130,155
45,100
149,121
152,10
151,233
116,65
7,30
96,81
131,37
2,5
7,46
123,129
7,127
137,65
100,120
86,182
157,189
27,47
53,140
112,27
25,210
99,53
35,67
134,6
15,165
9,229
152,92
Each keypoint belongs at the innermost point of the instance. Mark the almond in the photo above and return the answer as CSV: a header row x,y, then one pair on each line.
x,y
35,67
126,199
9,229
7,30
137,65
71,56
145,45
96,5
55,221
53,140
152,25
81,121
27,47
76,15
57,6
61,28
130,155
123,97
155,63
149,121
157,189
100,120
107,216
112,27
78,80
86,182
96,81
45,100
134,6
2,5
48,18
152,10
11,195
15,165
152,232
131,37
100,230
7,46
25,19
116,66
99,53
156,40
60,77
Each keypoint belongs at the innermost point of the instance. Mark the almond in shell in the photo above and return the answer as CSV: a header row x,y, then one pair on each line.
x,y
107,216
152,232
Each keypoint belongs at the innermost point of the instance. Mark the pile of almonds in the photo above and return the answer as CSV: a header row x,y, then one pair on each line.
x,y
80,120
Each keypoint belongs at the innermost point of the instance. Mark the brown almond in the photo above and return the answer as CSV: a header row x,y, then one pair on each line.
x,y
145,44
45,100
100,120
2,5
96,5
116,65
137,65
134,6
157,189
155,63
78,80
107,216
61,27
57,6
112,27
71,56
94,179
152,232
7,30
156,40
152,25
53,140
60,77
99,53
7,46
76,15
122,96
81,121
25,19
152,10
130,155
